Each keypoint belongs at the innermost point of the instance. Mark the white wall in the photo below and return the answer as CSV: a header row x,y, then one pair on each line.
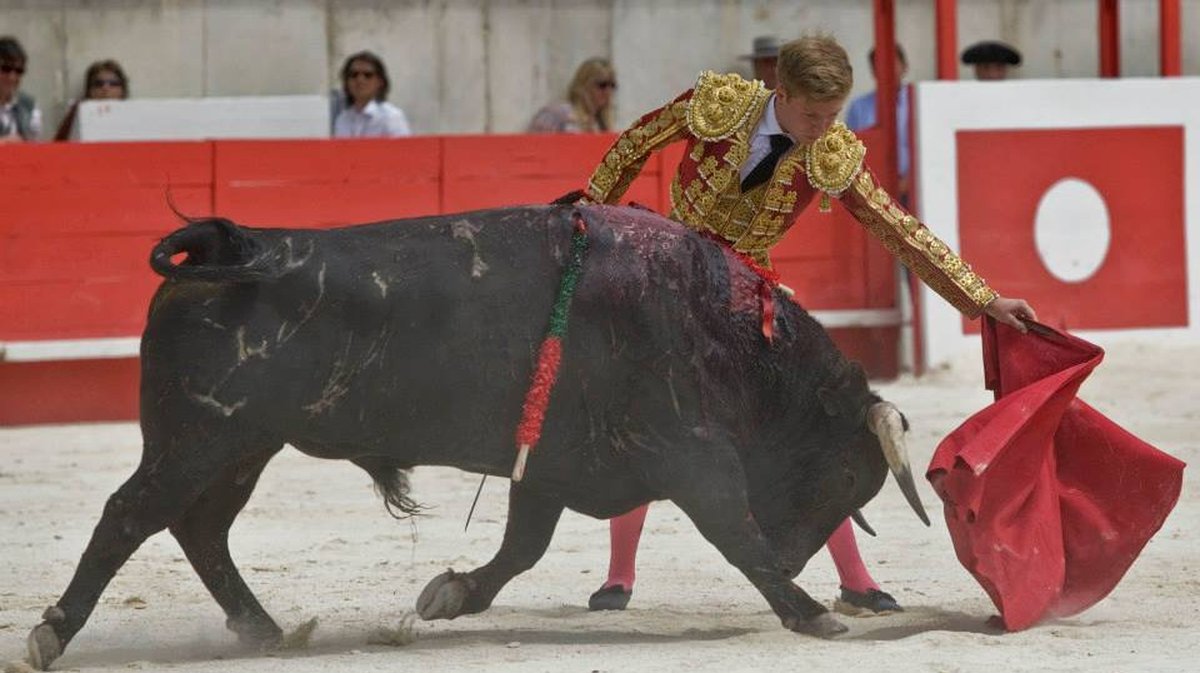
x,y
470,66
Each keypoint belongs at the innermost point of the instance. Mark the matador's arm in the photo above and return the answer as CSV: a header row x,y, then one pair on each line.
x,y
835,166
632,148
917,247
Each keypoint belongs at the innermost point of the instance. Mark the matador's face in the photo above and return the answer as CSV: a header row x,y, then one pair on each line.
x,y
804,119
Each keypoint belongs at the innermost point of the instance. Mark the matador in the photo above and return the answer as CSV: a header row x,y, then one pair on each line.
x,y
755,159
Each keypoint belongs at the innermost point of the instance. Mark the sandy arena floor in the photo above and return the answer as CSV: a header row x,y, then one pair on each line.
x,y
315,542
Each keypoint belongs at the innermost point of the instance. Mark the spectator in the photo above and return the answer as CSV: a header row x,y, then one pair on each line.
x,y
367,113
763,57
992,60
588,107
20,118
861,115
104,80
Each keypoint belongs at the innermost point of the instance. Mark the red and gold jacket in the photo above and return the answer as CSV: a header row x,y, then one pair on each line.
x,y
717,118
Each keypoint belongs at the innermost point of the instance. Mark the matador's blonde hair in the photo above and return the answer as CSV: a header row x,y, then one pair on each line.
x,y
816,67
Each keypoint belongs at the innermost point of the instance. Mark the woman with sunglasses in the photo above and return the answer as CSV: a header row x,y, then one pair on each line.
x,y
367,113
588,108
20,118
104,80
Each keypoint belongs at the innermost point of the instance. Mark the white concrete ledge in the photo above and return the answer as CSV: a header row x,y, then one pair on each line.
x,y
69,349
866,317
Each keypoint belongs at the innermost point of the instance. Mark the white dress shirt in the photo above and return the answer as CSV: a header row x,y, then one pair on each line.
x,y
8,120
376,120
760,142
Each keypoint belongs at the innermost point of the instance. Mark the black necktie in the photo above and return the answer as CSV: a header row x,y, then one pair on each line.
x,y
780,143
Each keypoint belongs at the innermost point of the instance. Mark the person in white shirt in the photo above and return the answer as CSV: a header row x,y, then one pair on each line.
x,y
368,114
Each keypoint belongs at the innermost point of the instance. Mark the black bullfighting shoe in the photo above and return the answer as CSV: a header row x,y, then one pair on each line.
x,y
613,597
866,603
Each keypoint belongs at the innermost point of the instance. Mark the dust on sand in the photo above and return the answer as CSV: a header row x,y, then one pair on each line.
x,y
315,542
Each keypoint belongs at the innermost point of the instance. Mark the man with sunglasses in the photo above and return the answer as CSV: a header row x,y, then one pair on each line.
x,y
367,112
20,118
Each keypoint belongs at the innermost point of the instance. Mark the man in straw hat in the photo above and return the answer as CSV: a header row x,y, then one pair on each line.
x,y
763,57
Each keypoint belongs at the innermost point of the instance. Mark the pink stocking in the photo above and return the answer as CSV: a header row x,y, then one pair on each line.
x,y
850,568
624,532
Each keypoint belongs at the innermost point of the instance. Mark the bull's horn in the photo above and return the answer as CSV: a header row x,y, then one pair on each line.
x,y
862,522
885,421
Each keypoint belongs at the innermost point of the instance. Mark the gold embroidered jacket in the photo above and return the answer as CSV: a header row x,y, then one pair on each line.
x,y
717,119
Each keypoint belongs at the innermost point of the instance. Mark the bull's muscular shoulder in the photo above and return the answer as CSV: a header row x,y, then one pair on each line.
x,y
835,159
721,104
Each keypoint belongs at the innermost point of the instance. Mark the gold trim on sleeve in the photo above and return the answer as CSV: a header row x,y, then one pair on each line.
x,y
918,248
624,160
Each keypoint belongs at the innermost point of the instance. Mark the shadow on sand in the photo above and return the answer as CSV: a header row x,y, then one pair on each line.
x,y
917,620
565,625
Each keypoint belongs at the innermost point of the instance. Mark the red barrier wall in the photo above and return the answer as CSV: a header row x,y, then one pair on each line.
x,y
81,219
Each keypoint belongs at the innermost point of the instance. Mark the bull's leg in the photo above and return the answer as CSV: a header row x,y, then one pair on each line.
x,y
712,492
532,517
166,483
203,533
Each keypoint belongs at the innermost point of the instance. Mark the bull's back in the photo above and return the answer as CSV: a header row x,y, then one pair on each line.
x,y
422,332
419,337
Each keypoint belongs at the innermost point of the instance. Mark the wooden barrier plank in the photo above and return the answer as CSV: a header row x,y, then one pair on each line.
x,y
72,391
322,183
80,308
121,165
493,171
76,257
88,209
79,225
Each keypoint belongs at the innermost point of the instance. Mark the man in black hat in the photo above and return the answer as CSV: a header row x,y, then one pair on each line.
x,y
763,57
992,59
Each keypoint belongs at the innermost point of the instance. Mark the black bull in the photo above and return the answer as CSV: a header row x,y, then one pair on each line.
x,y
412,343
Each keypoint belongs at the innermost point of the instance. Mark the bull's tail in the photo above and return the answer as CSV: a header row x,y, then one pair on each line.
x,y
217,251
391,482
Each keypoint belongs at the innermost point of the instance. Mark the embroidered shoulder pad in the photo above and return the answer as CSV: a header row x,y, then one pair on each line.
x,y
721,104
835,159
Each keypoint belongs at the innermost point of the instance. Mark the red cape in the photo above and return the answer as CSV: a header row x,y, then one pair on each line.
x,y
1048,502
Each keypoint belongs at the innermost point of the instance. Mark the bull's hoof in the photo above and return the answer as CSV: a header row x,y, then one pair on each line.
x,y
262,635
44,646
823,625
444,596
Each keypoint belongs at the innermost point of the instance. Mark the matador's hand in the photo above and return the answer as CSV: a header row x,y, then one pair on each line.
x,y
1010,311
571,197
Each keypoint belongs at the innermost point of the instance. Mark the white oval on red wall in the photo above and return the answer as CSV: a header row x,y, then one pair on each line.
x,y
1072,230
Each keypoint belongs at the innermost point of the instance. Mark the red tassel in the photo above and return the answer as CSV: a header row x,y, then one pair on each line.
x,y
537,398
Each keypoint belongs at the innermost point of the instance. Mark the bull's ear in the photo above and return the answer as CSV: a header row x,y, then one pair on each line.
x,y
855,374
838,396
828,399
